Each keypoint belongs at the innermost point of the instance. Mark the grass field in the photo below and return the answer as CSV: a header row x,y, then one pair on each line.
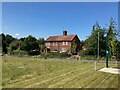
x,y
26,73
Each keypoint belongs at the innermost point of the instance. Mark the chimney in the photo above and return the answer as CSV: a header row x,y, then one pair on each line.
x,y
65,33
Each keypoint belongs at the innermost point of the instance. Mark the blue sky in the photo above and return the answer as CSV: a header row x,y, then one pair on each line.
x,y
44,19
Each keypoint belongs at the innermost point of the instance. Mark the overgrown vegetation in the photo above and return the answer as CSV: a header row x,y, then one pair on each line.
x,y
18,53
53,55
91,43
13,46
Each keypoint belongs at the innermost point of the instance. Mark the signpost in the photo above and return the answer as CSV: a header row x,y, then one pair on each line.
x,y
106,59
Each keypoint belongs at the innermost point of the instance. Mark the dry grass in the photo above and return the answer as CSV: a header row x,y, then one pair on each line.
x,y
25,73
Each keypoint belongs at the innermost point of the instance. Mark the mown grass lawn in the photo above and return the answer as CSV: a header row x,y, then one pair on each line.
x,y
29,73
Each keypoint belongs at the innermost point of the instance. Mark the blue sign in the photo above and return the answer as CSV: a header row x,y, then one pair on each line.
x,y
107,53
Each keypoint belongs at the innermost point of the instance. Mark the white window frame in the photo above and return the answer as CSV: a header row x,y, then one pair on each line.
x,y
66,42
56,43
64,49
53,43
48,43
63,43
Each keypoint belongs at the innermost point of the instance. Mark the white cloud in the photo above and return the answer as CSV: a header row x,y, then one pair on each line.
x,y
17,34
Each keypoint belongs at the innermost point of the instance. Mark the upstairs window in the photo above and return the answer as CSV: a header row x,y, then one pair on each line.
x,y
48,43
63,43
66,42
53,43
56,44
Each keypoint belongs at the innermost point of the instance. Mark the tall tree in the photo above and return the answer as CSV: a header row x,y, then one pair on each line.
x,y
112,40
118,51
9,39
41,43
91,43
5,41
14,45
73,48
4,46
31,44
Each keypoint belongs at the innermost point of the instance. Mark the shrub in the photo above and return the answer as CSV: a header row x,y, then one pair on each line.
x,y
33,52
64,55
83,53
54,55
18,53
89,57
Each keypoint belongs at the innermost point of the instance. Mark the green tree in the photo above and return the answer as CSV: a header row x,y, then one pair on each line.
x,y
73,48
91,43
31,45
41,43
3,43
9,39
22,39
14,45
118,51
112,40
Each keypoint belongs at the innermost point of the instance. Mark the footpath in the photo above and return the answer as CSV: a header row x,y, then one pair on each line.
x,y
110,70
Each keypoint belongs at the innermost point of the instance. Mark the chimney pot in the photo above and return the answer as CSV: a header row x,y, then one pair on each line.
x,y
65,33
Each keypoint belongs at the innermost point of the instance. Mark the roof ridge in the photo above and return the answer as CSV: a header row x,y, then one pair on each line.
x,y
63,35
69,37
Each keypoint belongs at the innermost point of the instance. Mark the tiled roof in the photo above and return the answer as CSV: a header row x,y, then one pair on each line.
x,y
61,38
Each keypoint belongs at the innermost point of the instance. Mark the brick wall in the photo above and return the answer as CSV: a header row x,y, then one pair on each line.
x,y
58,46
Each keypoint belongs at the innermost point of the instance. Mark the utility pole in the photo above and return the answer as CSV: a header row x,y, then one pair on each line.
x,y
98,45
95,64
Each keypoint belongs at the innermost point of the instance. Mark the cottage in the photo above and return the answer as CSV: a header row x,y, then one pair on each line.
x,y
63,43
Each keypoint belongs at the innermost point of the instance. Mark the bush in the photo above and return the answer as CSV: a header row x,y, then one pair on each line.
x,y
18,53
54,55
33,52
64,55
89,57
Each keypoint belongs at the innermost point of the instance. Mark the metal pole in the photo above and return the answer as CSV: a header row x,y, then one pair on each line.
x,y
95,64
98,45
107,51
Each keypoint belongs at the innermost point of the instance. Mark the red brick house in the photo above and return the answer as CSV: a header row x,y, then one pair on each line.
x,y
63,43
